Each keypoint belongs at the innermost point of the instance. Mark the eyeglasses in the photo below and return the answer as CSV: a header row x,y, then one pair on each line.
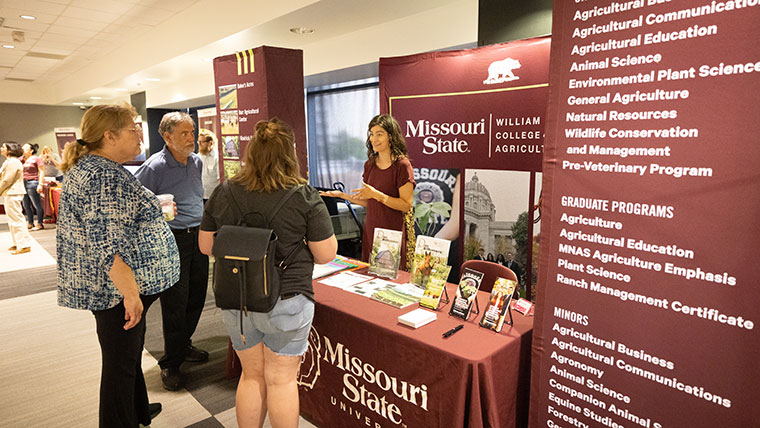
x,y
135,129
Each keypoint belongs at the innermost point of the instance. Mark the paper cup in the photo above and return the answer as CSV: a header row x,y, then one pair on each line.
x,y
167,206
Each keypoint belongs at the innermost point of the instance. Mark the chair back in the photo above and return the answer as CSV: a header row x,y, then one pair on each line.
x,y
491,271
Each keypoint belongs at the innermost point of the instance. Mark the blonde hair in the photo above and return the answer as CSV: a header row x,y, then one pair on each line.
x,y
270,159
95,123
47,149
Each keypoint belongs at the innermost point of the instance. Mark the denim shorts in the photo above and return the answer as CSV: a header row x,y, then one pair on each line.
x,y
284,330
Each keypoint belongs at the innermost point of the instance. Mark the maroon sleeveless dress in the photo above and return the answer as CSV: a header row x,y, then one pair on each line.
x,y
387,181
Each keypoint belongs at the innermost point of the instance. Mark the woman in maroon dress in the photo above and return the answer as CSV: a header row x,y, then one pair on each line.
x,y
388,182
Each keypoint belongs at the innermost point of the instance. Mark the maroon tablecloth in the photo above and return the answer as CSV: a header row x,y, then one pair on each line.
x,y
364,369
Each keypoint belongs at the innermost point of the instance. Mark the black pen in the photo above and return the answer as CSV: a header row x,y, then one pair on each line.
x,y
453,330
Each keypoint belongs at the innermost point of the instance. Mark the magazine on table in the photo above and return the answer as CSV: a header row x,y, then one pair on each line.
x,y
467,291
398,295
498,304
428,252
385,255
435,286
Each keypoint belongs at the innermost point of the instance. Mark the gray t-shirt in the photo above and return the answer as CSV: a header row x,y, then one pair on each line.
x,y
303,215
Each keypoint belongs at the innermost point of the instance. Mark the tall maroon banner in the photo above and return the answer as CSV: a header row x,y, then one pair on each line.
x,y
473,121
258,84
64,136
648,311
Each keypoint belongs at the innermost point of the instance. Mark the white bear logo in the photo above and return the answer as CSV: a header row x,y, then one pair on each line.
x,y
310,370
501,71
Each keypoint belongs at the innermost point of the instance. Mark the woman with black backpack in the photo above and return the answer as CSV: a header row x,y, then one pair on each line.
x,y
270,344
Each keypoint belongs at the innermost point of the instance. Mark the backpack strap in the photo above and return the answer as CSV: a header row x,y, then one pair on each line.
x,y
281,203
283,264
226,187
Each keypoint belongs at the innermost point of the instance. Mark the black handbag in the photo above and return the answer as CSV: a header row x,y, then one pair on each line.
x,y
246,274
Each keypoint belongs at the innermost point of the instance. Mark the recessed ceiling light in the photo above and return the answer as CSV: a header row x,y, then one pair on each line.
x,y
152,79
8,46
301,30
78,104
96,98
30,17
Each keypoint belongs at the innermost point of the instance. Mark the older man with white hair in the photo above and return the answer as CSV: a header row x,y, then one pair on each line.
x,y
177,170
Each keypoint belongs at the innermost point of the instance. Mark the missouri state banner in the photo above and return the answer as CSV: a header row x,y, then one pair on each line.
x,y
481,107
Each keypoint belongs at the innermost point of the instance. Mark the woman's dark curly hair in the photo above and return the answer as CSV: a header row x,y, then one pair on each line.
x,y
395,138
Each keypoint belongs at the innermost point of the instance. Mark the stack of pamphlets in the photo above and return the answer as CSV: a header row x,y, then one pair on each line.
x,y
498,304
338,264
417,318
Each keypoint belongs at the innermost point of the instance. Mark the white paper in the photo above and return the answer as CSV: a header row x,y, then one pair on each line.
x,y
345,279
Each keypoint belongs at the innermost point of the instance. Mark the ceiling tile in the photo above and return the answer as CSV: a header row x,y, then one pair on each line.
x,y
176,5
55,45
80,23
31,6
60,38
89,15
71,31
37,62
111,6
24,24
43,18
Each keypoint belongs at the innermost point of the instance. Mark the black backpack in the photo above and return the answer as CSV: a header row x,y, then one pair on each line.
x,y
246,274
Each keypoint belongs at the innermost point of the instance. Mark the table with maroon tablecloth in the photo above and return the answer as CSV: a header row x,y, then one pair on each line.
x,y
363,368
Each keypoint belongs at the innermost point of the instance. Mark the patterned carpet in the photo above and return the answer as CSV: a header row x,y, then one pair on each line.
x,y
50,360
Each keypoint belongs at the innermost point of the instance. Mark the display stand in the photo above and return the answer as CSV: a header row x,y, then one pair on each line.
x,y
475,309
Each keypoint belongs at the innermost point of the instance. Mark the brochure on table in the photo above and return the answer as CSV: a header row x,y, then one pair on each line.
x,y
428,252
398,295
498,304
436,287
469,283
339,263
386,253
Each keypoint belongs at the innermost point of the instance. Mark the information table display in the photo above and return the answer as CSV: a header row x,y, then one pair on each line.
x,y
364,368
648,298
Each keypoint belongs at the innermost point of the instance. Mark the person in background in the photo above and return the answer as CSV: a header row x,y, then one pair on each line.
x,y
489,258
270,353
388,182
208,154
513,266
176,170
51,162
480,255
115,255
12,190
500,259
33,178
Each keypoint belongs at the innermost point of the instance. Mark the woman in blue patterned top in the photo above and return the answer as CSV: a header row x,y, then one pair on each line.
x,y
115,255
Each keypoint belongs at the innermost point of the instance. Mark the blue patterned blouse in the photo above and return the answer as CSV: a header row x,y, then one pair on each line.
x,y
104,211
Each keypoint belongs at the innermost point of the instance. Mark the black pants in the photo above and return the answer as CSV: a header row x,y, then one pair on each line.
x,y
123,396
182,304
